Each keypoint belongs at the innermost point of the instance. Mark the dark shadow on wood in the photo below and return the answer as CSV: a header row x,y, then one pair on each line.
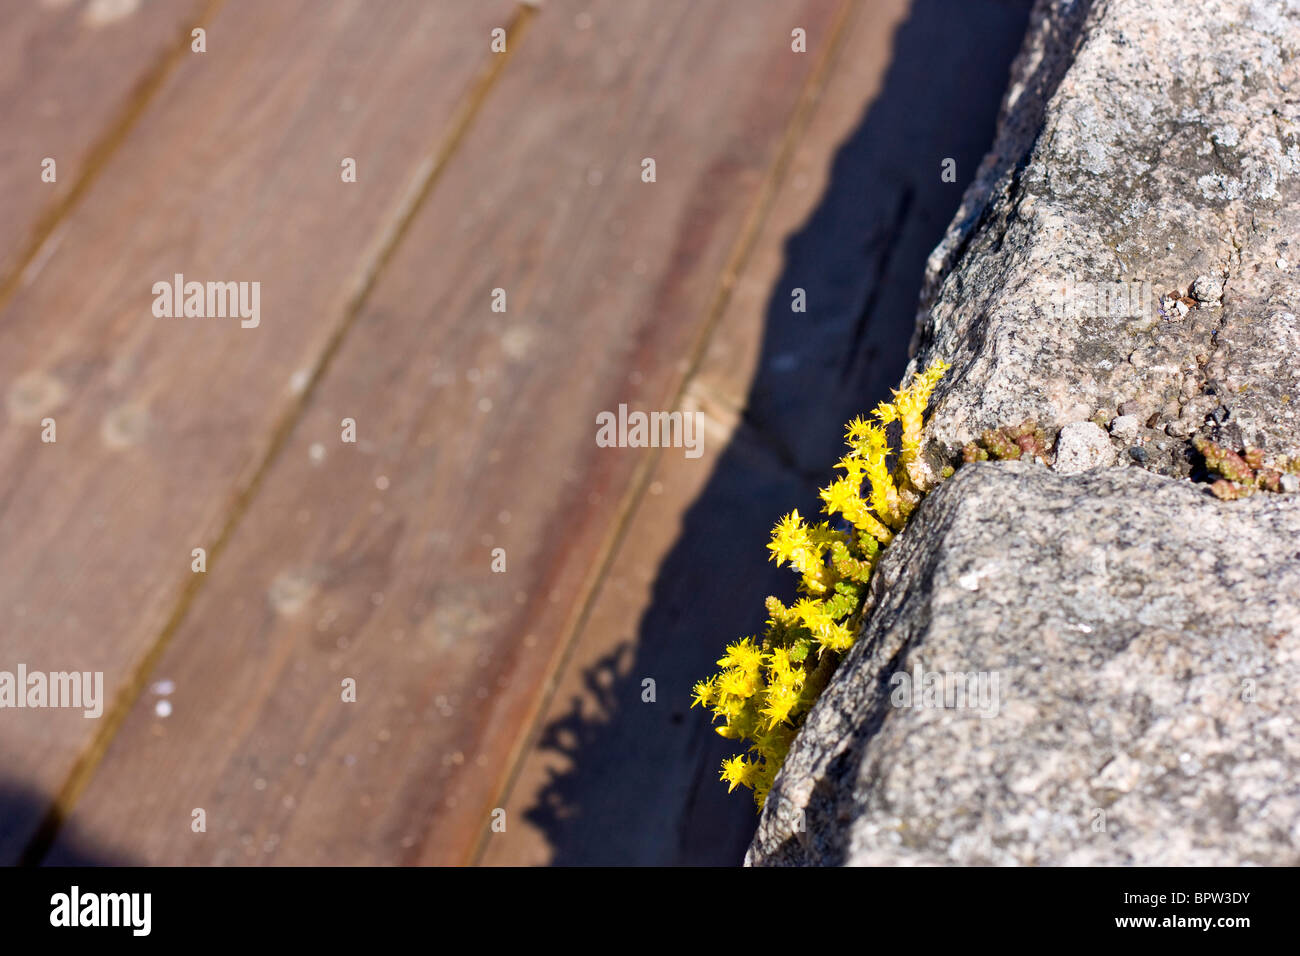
x,y
19,805
644,785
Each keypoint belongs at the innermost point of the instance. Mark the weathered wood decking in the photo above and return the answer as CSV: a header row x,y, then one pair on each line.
x,y
373,561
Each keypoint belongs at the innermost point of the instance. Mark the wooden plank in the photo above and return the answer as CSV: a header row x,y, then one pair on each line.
x,y
73,78
792,254
477,431
614,779
690,571
233,174
856,236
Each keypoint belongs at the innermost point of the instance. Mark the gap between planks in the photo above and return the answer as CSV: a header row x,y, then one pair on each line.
x,y
372,265
731,271
101,150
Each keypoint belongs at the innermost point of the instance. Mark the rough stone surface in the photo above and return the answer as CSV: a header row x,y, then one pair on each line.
x,y
1082,446
1146,639
1145,635
1124,427
1207,289
1168,151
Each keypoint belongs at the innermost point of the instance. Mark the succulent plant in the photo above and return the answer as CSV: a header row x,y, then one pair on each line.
x,y
766,687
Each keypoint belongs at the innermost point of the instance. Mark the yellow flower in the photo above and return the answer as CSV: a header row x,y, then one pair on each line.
x,y
744,654
789,539
704,693
856,430
780,701
763,691
811,613
912,402
854,467
728,707
780,669
737,771
884,496
835,637
841,497
738,683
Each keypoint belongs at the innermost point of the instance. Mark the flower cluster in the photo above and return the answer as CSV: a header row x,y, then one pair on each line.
x,y
765,687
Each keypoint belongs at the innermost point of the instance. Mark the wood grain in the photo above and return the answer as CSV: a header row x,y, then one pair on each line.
x,y
855,232
476,428
690,573
232,173
73,78
616,780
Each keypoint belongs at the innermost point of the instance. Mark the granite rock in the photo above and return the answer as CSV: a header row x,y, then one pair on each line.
x,y
1123,645
1082,446
1131,648
1163,150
